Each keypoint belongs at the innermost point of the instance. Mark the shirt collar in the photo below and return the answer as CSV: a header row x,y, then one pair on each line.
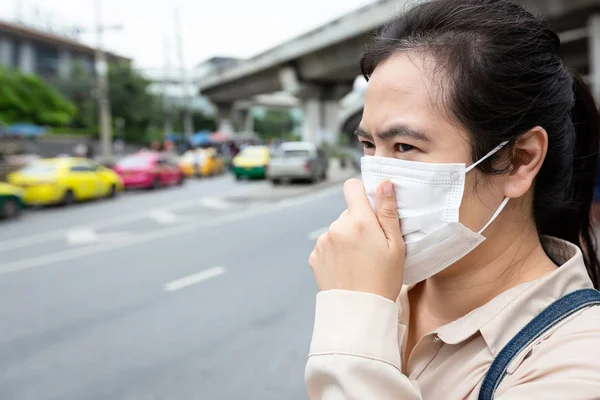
x,y
504,316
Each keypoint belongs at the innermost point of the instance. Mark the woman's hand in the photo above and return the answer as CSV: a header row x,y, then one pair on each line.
x,y
362,251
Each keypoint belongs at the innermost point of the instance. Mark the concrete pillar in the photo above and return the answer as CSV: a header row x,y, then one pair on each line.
x,y
27,58
224,118
311,120
6,52
321,112
330,116
238,118
244,120
249,122
65,63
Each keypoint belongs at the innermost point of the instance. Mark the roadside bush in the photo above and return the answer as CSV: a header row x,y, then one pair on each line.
x,y
26,98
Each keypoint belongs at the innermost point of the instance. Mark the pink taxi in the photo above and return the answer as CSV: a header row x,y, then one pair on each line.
x,y
149,170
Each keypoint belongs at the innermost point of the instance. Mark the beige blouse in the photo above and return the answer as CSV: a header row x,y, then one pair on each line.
x,y
357,340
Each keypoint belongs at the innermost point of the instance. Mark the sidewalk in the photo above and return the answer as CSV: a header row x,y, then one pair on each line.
x,y
265,192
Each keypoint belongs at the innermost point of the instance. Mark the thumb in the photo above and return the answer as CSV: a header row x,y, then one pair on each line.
x,y
387,211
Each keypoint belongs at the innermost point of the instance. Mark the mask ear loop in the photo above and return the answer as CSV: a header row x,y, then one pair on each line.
x,y
498,211
506,199
488,155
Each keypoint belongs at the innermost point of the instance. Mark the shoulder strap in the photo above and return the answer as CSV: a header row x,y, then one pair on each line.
x,y
552,315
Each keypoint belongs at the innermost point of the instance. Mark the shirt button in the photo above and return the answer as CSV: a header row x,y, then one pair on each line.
x,y
436,339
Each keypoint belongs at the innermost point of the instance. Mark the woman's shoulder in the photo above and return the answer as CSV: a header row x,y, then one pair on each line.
x,y
568,353
564,361
572,337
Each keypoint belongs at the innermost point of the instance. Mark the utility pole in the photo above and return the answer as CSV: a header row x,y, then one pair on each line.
x,y
168,123
104,115
19,11
188,125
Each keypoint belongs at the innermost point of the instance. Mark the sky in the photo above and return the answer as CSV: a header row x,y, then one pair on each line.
x,y
239,28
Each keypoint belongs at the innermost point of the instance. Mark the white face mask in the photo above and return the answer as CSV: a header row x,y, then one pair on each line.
x,y
428,198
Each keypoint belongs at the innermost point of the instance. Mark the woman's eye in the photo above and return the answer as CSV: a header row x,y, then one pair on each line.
x,y
403,147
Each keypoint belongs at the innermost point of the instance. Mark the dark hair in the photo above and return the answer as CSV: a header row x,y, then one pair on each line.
x,y
507,78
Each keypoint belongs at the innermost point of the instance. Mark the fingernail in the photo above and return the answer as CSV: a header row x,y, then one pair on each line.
x,y
388,188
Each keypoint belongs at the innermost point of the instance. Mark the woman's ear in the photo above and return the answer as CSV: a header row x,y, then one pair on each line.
x,y
528,156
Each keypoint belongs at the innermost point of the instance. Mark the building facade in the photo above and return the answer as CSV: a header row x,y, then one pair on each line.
x,y
45,54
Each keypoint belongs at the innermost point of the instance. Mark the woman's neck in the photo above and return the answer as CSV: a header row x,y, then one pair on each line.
x,y
506,260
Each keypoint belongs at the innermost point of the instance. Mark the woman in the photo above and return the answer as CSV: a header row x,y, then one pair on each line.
x,y
484,145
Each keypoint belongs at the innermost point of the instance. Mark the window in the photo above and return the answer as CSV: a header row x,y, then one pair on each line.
x,y
253,152
81,168
46,61
39,168
296,153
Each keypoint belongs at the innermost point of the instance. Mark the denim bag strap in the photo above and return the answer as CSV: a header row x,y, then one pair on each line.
x,y
552,315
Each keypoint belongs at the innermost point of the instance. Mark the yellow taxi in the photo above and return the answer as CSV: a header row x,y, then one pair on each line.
x,y
201,162
189,163
251,162
213,163
65,181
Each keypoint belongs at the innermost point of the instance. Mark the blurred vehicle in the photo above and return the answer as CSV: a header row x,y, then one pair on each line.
x,y
149,170
11,201
190,162
212,164
251,162
65,181
298,160
201,162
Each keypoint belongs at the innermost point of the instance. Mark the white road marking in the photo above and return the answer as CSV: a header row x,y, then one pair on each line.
x,y
163,217
194,279
314,235
82,236
102,223
215,203
72,254
77,236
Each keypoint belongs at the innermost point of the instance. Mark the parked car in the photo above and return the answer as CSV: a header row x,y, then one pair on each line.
x,y
201,162
149,170
212,164
251,162
190,162
65,181
11,201
298,160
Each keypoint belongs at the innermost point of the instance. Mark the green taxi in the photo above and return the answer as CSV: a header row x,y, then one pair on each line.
x,y
251,162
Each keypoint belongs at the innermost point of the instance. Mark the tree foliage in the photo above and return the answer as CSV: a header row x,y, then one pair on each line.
x,y
26,98
275,124
131,102
80,88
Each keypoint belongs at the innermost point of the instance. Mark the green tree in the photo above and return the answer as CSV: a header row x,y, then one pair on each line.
x,y
130,100
201,121
26,98
275,124
80,88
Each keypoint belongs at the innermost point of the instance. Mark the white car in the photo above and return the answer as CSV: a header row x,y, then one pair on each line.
x,y
297,160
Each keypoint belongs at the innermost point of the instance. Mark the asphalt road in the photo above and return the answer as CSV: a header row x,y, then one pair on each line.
x,y
173,294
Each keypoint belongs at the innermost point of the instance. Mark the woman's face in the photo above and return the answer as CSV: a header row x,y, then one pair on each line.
x,y
404,117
